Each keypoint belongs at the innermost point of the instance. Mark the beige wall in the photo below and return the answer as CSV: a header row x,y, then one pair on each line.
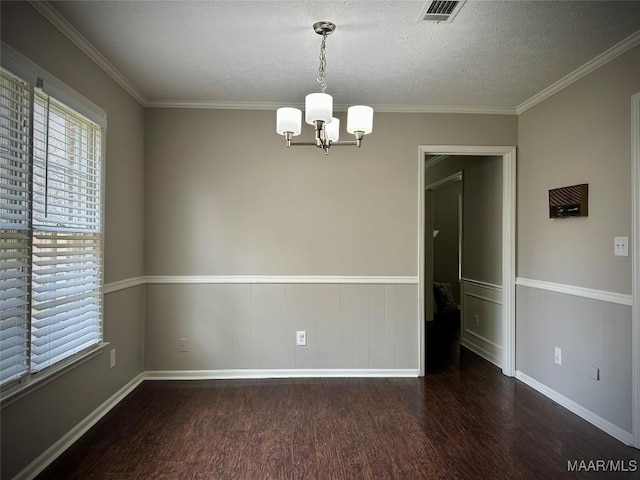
x,y
225,197
579,135
33,423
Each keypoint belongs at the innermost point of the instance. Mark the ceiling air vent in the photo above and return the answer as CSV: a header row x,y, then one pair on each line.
x,y
440,11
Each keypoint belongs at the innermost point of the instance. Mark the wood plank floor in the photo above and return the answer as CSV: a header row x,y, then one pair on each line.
x,y
465,420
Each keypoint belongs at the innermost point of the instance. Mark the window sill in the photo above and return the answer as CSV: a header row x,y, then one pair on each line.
x,y
31,383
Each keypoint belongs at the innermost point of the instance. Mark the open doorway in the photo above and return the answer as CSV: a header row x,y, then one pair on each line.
x,y
486,294
443,268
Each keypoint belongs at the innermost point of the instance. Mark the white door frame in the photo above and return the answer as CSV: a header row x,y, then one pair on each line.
x,y
635,266
508,154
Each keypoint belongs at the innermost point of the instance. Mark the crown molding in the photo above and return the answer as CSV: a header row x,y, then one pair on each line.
x,y
62,24
213,105
470,110
605,57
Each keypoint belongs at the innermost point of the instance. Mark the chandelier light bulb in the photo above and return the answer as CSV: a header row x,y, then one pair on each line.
x,y
333,130
289,120
360,119
318,106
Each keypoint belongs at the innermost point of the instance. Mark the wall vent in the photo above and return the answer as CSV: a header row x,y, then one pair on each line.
x,y
440,11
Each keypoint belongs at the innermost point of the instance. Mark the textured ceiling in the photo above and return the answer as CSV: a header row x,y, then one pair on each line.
x,y
494,54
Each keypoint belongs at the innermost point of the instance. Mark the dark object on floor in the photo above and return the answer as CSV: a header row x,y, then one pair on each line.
x,y
443,299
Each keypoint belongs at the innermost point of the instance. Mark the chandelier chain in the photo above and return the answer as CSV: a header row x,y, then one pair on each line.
x,y
322,74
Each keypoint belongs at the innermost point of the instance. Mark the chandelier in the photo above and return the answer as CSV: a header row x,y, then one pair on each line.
x,y
319,110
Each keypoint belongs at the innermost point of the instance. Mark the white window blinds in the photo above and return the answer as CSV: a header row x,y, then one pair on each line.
x,y
15,226
67,238
51,231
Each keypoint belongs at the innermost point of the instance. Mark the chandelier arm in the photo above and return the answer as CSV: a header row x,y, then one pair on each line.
x,y
303,144
321,134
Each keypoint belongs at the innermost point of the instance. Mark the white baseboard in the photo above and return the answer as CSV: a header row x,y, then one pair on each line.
x,y
55,450
280,279
478,350
605,425
277,373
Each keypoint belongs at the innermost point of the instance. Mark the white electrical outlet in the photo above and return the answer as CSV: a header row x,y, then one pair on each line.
x,y
476,320
594,373
112,360
301,338
184,345
621,246
558,356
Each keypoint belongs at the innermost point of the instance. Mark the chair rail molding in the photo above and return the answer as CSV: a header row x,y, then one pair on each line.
x,y
118,285
593,294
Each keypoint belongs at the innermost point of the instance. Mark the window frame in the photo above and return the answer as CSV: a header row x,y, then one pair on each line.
x,y
30,72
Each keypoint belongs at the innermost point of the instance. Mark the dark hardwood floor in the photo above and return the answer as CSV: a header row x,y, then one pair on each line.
x,y
464,420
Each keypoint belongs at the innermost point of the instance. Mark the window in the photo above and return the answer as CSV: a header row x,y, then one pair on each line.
x,y
51,229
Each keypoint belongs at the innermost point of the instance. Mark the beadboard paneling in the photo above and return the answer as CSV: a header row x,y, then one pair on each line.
x,y
487,337
240,326
591,333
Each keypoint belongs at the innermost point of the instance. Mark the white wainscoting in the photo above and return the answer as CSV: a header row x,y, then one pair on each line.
x,y
482,319
249,327
593,328
245,324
